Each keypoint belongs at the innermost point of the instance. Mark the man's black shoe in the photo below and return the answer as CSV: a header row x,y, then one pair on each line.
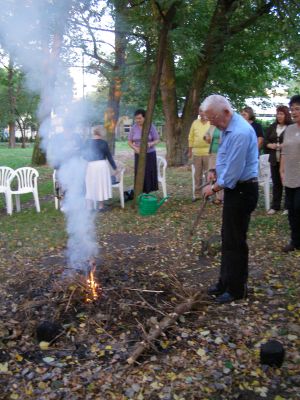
x,y
227,298
214,291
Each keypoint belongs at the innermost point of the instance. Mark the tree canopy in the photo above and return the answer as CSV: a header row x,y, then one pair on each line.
x,y
235,48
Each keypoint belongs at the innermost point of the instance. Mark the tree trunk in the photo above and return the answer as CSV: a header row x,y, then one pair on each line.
x,y
12,106
22,128
23,144
177,130
12,134
167,21
176,154
112,113
38,156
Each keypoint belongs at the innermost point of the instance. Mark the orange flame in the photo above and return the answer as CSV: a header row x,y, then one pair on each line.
x,y
94,289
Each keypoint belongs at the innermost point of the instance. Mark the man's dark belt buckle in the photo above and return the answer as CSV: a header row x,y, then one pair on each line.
x,y
252,180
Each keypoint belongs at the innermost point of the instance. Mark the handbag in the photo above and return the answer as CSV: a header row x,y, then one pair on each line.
x,y
128,195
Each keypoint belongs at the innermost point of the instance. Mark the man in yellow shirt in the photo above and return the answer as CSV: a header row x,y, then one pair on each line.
x,y
199,140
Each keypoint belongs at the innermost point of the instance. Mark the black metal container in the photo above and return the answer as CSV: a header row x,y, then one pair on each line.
x,y
272,353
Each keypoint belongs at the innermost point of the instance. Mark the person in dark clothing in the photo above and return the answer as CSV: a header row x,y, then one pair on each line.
x,y
248,114
98,176
237,170
134,141
272,146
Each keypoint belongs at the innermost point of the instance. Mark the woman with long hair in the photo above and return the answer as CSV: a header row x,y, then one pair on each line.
x,y
272,145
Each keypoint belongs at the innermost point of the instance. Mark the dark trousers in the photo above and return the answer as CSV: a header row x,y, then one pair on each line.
x,y
238,206
292,196
277,186
151,179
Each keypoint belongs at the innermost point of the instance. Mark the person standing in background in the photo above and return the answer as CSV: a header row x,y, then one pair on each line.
x,y
290,174
272,145
199,149
248,114
98,179
215,139
134,141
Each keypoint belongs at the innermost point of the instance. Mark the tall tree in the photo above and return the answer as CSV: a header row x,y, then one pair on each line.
x,y
166,18
229,19
215,47
18,106
90,19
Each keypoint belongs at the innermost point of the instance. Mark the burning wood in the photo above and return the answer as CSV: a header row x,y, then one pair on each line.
x,y
94,289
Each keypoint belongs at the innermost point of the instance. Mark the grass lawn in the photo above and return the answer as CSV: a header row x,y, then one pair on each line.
x,y
146,267
18,157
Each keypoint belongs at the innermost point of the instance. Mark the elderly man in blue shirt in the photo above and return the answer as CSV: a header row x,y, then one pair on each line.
x,y
237,171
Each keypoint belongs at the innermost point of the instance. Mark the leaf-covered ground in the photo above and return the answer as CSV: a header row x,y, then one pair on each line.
x,y
146,267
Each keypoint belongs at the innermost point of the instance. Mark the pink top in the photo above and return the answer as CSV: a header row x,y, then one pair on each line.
x,y
135,135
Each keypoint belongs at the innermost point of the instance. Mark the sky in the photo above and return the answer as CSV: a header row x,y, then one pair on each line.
x,y
84,82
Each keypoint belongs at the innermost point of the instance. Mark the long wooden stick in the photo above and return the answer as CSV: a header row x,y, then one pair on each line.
x,y
163,325
198,217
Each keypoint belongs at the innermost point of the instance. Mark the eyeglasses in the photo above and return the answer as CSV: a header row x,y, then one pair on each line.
x,y
293,109
212,117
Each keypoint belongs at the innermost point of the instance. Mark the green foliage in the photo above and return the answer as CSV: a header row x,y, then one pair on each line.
x,y
261,54
26,102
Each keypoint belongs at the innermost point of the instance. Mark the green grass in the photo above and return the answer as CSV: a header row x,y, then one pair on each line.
x,y
18,157
15,158
48,227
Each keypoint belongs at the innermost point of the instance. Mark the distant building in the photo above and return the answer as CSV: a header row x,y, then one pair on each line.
x,y
125,123
123,126
265,108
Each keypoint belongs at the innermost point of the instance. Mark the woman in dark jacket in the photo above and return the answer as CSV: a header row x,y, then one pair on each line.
x,y
248,114
272,144
98,179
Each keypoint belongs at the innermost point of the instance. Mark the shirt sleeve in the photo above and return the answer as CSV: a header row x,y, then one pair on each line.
x,y
109,157
236,151
191,136
154,133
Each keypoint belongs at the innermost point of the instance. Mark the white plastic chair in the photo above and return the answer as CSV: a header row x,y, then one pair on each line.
x,y
120,186
5,174
264,177
161,173
26,179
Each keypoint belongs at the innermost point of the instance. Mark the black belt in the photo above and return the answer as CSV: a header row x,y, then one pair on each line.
x,y
251,180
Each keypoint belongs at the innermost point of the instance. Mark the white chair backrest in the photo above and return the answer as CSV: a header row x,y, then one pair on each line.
x,y
264,168
161,167
26,177
5,175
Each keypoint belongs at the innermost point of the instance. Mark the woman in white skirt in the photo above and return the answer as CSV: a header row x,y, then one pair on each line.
x,y
98,176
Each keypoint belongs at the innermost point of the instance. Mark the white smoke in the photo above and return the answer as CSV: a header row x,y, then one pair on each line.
x,y
32,33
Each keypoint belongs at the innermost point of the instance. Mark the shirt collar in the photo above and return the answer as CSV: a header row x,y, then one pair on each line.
x,y
231,124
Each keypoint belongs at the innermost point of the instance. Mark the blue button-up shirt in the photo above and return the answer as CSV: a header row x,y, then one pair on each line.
x,y
237,158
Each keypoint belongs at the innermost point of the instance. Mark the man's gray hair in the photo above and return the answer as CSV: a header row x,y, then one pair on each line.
x,y
217,102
